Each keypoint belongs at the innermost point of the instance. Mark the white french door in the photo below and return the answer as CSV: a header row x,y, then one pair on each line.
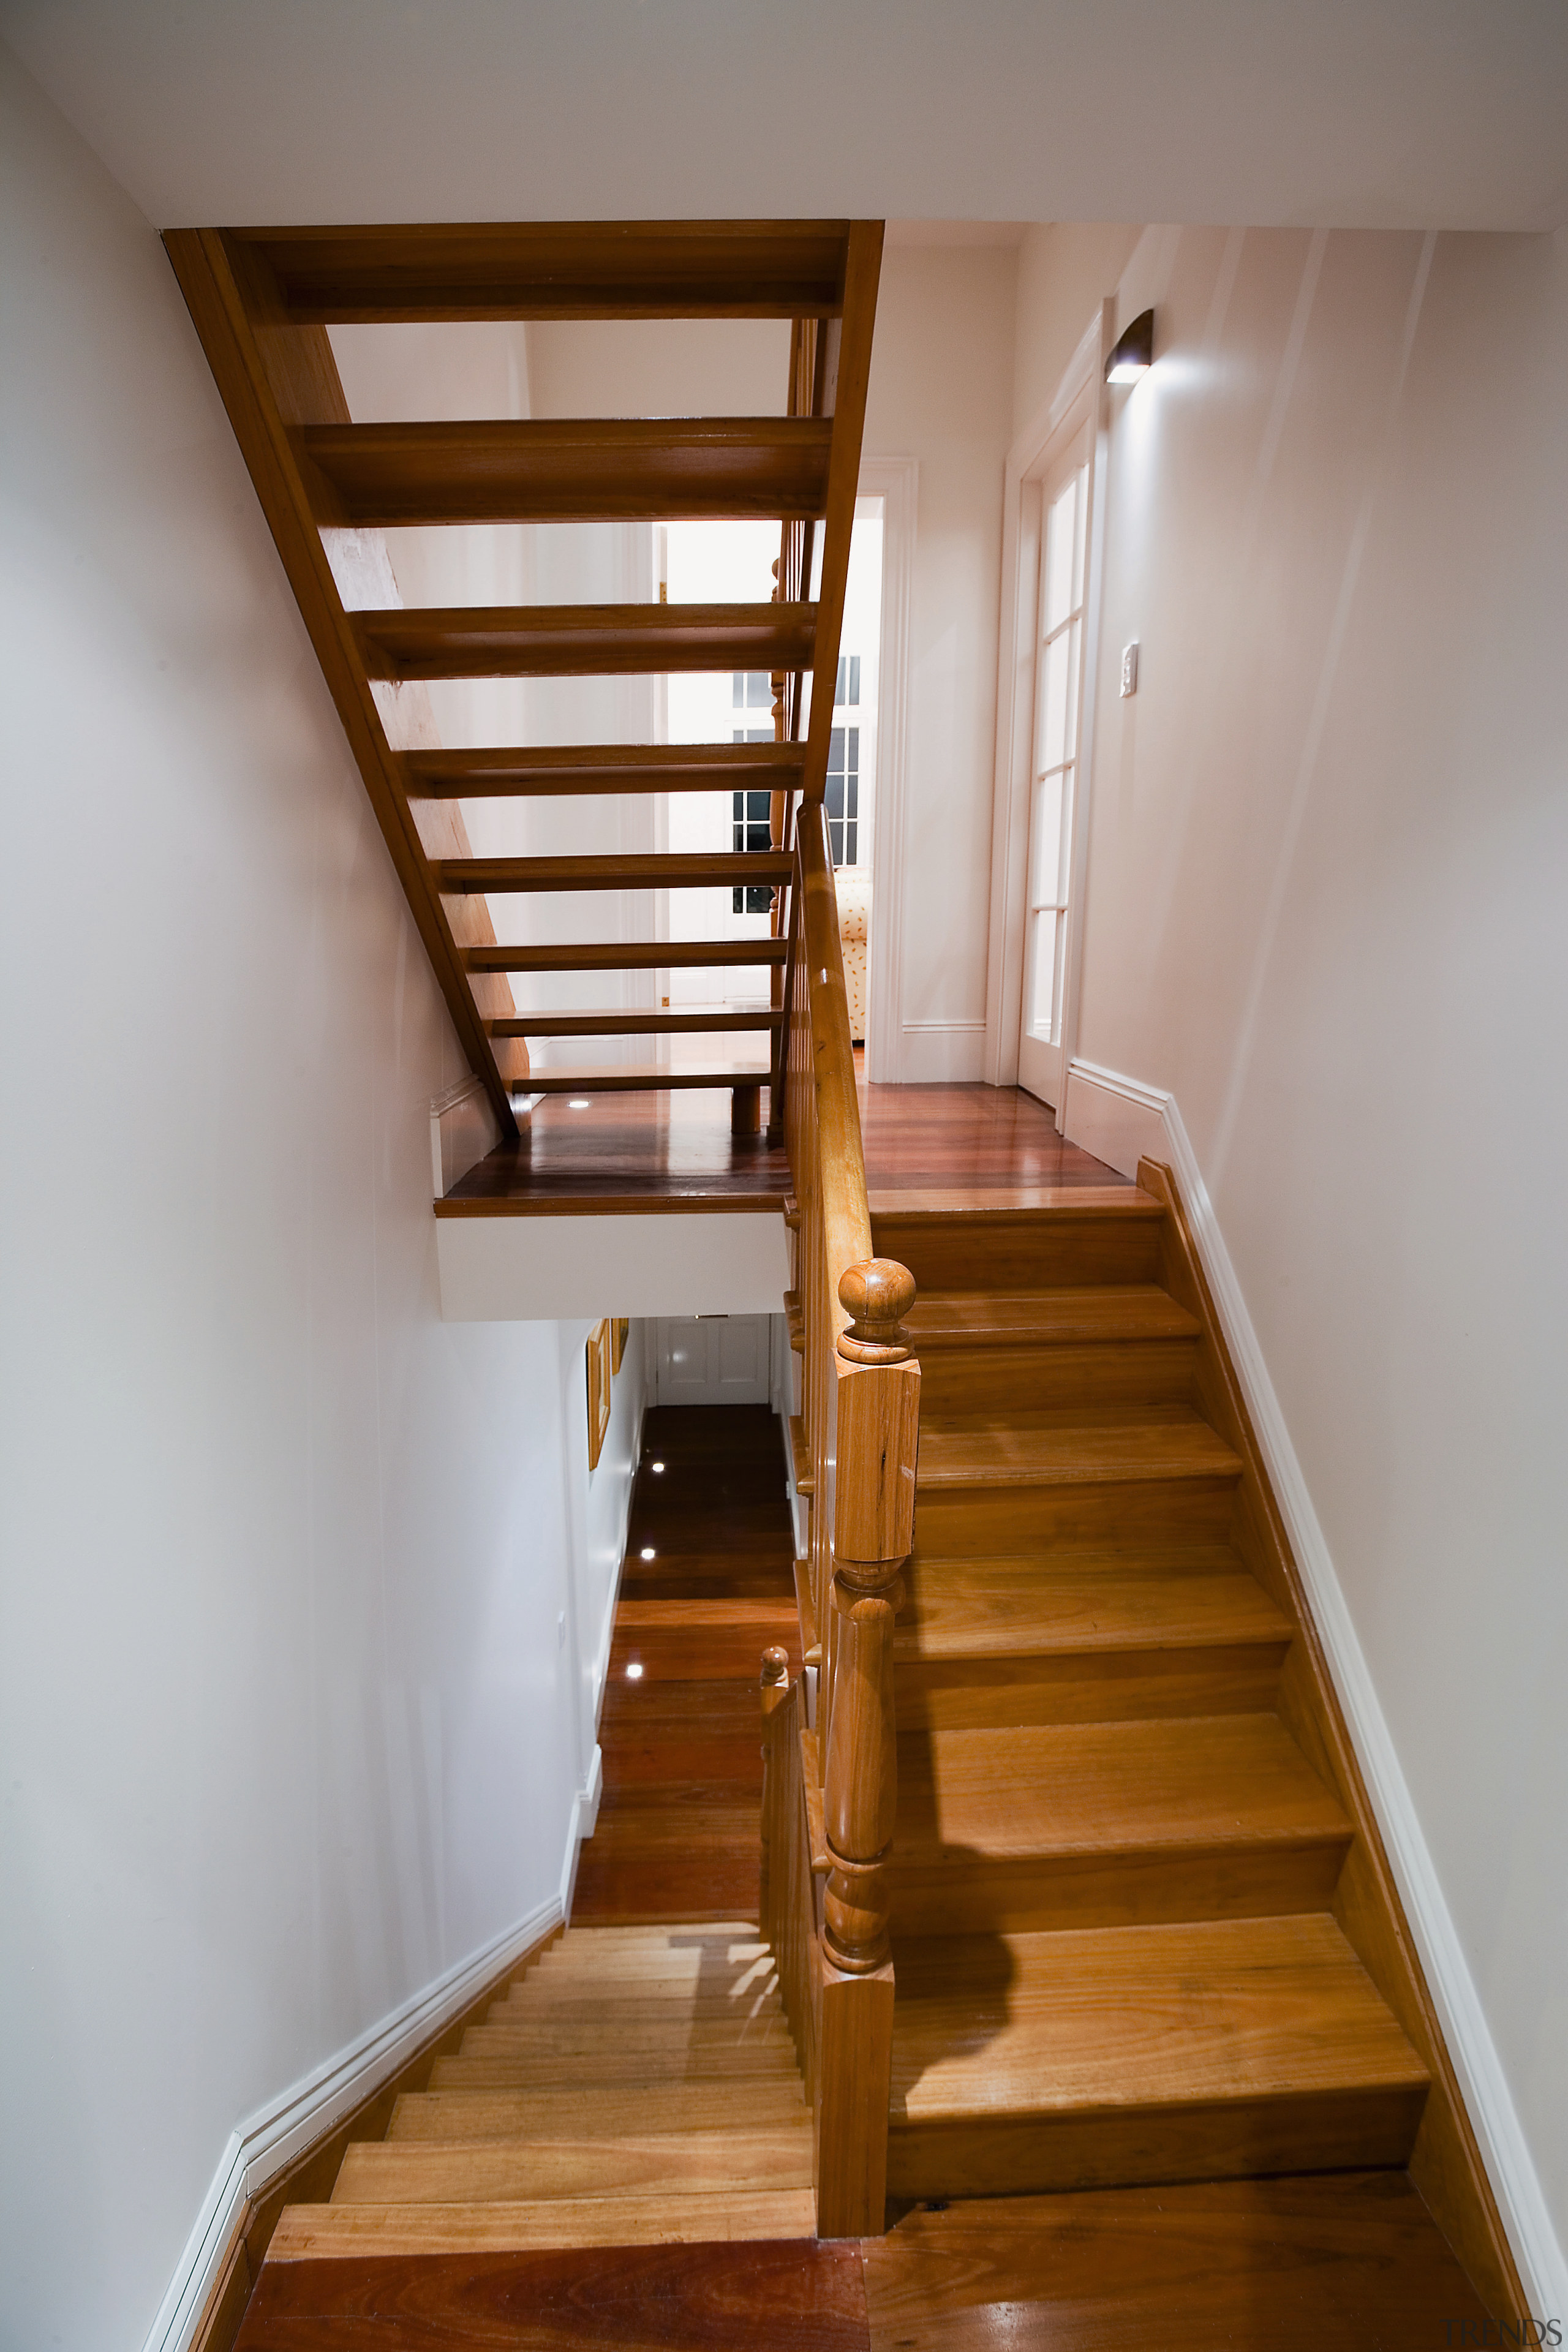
x,y
1053,760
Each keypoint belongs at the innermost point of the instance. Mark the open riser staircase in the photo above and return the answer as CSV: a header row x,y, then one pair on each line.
x,y
332,488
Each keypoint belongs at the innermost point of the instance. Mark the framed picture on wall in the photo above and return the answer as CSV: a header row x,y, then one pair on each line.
x,y
598,1390
619,1326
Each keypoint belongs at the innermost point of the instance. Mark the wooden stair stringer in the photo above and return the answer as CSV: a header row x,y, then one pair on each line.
x,y
1446,2162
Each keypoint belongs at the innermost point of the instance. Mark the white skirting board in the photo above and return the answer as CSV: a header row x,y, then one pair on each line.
x,y
941,1053
1120,1119
267,2142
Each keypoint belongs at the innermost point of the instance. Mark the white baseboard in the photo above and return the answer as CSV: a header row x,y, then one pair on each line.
x,y
1115,1117
1110,1114
463,1128
941,1053
267,2142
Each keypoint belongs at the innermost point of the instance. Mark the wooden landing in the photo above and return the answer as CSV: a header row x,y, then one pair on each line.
x,y
1292,2265
637,1154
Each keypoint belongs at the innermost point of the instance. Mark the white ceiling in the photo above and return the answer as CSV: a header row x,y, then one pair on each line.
x,y
1440,113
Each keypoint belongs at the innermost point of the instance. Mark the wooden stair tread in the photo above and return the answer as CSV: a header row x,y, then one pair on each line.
x,y
557,270
402,642
579,1943
1144,2017
596,2110
608,1023
1010,1318
1054,1449
574,470
507,2030
628,955
1104,1788
314,2233
457,2172
642,1078
1015,1608
630,2009
567,769
693,870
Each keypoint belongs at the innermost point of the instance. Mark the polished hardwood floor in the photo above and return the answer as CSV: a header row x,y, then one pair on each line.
x,y
707,1586
655,1151
1335,2261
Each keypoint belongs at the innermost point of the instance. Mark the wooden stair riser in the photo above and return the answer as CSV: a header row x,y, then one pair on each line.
x,y
1312,2131
501,2072
434,2172
1039,1253
974,1378
1035,1896
964,1522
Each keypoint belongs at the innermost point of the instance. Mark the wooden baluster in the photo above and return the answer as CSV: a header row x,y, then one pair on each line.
x,y
774,1691
878,1422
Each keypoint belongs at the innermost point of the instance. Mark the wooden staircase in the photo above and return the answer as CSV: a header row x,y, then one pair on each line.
x,y
637,2086
1096,1785
1141,1927
262,301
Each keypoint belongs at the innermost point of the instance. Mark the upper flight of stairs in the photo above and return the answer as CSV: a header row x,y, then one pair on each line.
x,y
262,301
1115,1868
637,2086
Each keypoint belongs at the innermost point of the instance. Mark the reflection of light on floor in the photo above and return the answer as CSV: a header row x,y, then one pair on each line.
x,y
656,1465
648,1551
633,1672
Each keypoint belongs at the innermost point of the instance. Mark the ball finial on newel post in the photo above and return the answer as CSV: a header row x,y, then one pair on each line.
x,y
876,1294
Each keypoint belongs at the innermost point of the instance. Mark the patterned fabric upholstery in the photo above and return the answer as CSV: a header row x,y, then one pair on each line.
x,y
854,931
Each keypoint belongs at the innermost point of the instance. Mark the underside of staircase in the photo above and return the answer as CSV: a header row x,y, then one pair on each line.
x,y
332,486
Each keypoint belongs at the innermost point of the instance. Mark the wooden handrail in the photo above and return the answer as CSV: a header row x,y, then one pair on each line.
x,y
830,1790
860,1415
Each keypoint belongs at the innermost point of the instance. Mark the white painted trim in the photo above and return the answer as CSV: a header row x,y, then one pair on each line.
x,y
268,2141
1070,407
1088,704
896,481
1483,2084
463,1128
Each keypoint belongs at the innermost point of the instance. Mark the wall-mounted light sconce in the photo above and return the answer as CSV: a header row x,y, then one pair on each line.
x,y
1135,352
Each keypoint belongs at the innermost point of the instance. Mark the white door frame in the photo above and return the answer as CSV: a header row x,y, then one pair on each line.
x,y
1079,396
896,481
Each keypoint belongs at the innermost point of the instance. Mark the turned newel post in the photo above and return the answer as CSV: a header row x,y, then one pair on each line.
x,y
774,1691
878,1424
861,1768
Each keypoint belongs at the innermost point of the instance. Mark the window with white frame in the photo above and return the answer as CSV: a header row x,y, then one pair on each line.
x,y
1059,655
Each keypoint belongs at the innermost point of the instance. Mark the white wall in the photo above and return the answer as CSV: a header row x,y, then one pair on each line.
x,y
1066,269
289,1727
1326,909
941,392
